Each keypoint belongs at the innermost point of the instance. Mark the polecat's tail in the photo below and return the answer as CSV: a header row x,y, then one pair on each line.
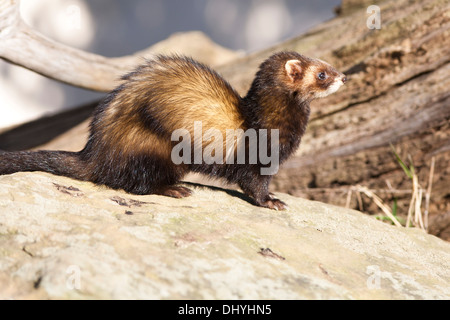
x,y
60,163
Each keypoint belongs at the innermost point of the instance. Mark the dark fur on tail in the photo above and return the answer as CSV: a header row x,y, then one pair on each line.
x,y
61,163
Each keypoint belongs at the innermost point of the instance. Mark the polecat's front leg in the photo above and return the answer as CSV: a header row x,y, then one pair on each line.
x,y
258,189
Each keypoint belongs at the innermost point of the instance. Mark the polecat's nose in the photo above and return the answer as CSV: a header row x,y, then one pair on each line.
x,y
344,79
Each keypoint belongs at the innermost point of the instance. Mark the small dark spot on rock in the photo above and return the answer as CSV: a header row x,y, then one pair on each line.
x,y
72,191
37,282
267,252
325,272
127,202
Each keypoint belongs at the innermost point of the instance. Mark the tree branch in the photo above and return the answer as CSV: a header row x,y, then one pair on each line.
x,y
23,46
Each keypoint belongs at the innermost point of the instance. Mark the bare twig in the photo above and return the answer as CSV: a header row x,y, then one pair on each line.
x,y
410,208
379,203
417,211
428,193
349,198
344,190
360,203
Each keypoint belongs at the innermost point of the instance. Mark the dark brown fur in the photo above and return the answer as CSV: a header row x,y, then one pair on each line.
x,y
130,143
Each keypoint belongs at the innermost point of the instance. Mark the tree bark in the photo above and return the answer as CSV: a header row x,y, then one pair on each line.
x,y
398,94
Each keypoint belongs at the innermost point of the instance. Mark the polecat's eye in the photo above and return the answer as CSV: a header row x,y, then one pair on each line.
x,y
322,76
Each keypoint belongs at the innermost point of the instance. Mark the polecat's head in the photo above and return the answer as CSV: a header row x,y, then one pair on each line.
x,y
298,76
312,78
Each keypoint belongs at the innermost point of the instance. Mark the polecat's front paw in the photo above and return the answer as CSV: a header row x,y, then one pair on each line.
x,y
274,203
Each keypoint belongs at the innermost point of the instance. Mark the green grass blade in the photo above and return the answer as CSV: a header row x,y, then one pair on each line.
x,y
401,163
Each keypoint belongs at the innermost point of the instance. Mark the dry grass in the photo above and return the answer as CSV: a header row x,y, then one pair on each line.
x,y
377,200
416,216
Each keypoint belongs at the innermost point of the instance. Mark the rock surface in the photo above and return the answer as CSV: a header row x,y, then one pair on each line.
x,y
62,238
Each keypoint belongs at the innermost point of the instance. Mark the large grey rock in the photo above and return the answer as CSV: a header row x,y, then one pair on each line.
x,y
61,238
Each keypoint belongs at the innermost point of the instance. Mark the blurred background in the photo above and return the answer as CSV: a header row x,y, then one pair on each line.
x,y
116,27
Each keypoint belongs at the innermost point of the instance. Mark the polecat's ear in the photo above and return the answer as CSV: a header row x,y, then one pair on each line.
x,y
293,69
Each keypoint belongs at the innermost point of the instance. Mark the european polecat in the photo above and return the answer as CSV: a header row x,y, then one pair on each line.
x,y
131,143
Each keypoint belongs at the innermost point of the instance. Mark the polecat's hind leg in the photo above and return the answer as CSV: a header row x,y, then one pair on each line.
x,y
141,174
174,191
